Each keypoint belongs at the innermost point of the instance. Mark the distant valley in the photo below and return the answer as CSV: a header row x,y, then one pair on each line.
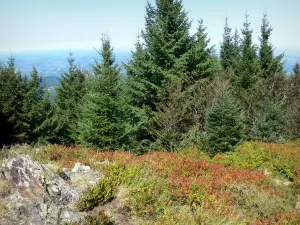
x,y
51,64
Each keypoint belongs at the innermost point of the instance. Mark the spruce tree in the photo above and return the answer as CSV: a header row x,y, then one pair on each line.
x,y
101,122
166,38
227,48
173,118
223,125
248,70
270,124
35,108
68,98
13,89
293,104
269,63
200,60
296,69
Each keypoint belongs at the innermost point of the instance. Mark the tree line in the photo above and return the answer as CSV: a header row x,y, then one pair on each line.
x,y
177,92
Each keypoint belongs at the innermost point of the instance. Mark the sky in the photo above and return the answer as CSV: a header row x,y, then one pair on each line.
x,y
31,25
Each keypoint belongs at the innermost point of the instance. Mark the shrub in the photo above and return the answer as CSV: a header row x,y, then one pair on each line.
x,y
97,219
103,191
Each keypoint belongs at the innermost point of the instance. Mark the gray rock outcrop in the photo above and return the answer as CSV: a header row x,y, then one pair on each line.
x,y
38,195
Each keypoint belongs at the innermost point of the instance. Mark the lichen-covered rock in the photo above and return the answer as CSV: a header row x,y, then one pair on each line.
x,y
82,176
38,195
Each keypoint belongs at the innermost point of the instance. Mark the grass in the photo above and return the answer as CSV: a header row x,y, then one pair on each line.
x,y
190,187
5,188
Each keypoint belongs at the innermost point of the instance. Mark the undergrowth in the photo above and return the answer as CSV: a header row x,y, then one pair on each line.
x,y
190,187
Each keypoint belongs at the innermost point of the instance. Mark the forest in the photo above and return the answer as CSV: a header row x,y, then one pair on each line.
x,y
177,91
179,134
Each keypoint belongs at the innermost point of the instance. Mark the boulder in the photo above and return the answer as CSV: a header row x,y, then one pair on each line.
x,y
38,195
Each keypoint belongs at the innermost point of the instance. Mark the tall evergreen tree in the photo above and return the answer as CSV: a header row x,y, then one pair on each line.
x,y
200,60
248,70
68,98
227,51
13,88
296,69
166,39
101,122
269,63
35,108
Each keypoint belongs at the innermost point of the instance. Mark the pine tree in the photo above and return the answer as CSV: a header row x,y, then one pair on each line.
x,y
35,108
172,120
296,69
13,88
166,38
101,122
249,65
200,60
227,48
167,32
68,98
268,62
293,104
270,124
223,125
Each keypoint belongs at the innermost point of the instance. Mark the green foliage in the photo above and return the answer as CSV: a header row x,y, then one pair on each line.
x,y
103,191
268,62
103,116
227,53
270,124
200,60
248,67
173,118
296,69
223,125
97,219
23,106
258,204
254,155
293,107
67,101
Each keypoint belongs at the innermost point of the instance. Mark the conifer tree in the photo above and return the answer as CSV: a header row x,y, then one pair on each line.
x,y
68,98
223,125
270,124
101,122
200,60
166,38
35,108
173,119
248,70
13,88
269,63
293,104
296,69
227,48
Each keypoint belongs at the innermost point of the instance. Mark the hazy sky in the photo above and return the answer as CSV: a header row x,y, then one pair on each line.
x,y
79,24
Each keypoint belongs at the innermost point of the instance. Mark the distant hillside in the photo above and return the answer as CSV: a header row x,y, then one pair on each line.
x,y
52,63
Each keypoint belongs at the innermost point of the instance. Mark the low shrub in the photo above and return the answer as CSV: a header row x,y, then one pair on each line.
x,y
99,218
104,190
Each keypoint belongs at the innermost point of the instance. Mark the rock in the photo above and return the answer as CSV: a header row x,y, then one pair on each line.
x,y
82,176
39,196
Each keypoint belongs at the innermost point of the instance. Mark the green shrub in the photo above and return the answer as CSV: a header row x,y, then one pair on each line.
x,y
257,204
97,219
104,190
